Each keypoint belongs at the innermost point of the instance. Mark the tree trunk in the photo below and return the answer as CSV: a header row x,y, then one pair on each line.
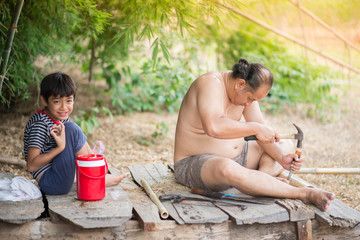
x,y
9,41
92,60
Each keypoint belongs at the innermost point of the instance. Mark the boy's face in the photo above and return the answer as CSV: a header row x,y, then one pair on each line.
x,y
58,108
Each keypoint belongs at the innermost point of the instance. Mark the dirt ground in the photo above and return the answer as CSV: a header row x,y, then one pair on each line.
x,y
128,140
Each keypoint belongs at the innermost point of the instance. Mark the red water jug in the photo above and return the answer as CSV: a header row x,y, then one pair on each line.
x,y
90,174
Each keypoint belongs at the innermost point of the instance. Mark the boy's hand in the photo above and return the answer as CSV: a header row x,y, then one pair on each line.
x,y
58,133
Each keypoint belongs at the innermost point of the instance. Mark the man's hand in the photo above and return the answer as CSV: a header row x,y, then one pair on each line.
x,y
291,160
58,133
267,134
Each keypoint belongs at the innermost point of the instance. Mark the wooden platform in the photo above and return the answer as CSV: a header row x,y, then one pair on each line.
x,y
128,213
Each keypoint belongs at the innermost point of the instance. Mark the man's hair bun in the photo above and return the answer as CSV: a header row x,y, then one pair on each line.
x,y
254,74
241,69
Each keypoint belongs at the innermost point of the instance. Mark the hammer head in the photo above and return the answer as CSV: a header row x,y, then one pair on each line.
x,y
299,136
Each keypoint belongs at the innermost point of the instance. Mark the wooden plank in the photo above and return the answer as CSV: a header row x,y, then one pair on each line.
x,y
139,172
256,213
20,212
112,211
298,211
164,183
192,213
45,229
145,211
154,172
338,214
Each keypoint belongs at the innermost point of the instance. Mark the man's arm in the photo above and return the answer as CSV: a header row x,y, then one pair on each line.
x,y
211,102
253,113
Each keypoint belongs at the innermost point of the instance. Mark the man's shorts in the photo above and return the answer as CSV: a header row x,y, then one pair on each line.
x,y
188,170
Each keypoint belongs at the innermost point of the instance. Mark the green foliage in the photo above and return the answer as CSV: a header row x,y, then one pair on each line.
x,y
295,79
45,28
161,130
149,90
87,120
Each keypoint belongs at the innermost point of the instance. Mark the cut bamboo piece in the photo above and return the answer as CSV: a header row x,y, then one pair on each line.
x,y
14,161
162,210
330,170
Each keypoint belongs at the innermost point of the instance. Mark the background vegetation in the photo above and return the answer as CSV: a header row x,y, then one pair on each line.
x,y
149,52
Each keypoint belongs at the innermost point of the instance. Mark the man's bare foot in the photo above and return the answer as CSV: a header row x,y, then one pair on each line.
x,y
321,199
112,179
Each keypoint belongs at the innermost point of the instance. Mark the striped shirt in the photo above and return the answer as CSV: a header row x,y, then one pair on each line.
x,y
37,134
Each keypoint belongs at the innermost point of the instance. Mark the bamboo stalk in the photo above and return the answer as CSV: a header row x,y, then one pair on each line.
x,y
286,36
9,41
162,210
327,27
13,161
330,170
295,181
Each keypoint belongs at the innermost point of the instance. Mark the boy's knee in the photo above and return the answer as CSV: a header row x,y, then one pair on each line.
x,y
72,127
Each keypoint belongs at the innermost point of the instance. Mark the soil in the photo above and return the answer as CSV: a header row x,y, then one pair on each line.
x,y
128,139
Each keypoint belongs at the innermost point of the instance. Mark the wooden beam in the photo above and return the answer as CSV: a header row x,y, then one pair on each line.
x,y
304,230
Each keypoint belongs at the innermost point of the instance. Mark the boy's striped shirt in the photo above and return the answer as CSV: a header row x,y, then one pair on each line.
x,y
37,134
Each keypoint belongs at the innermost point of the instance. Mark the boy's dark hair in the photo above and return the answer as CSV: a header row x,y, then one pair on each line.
x,y
57,83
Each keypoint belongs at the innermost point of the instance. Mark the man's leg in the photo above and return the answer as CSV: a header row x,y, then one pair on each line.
x,y
218,172
258,159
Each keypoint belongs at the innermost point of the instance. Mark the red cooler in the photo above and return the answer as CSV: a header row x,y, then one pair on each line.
x,y
90,174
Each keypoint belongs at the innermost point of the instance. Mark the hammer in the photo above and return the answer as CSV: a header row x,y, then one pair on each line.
x,y
299,136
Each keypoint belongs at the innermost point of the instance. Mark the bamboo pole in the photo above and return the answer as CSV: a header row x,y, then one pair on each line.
x,y
318,20
9,41
295,181
162,210
13,161
286,36
330,170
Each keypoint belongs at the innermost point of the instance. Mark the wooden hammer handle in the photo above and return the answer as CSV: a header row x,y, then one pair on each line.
x,y
281,136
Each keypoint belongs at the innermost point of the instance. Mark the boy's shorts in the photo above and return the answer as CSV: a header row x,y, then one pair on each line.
x,y
188,170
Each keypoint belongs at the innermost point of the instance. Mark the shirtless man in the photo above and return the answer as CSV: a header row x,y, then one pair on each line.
x,y
209,148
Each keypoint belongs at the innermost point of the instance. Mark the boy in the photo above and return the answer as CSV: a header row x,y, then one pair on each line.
x,y
52,141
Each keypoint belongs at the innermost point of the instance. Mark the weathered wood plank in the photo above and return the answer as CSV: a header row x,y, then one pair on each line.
x,y
145,211
139,172
20,212
154,172
164,183
112,211
192,213
338,214
298,211
44,229
256,213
